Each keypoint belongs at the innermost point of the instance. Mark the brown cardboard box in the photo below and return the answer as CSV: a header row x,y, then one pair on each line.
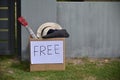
x,y
39,54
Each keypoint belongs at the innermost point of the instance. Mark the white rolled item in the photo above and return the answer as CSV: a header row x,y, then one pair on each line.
x,y
44,28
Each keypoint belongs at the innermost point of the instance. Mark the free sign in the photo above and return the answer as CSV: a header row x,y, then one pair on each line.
x,y
45,52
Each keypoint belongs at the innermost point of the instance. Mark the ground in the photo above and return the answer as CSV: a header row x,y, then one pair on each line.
x,y
11,68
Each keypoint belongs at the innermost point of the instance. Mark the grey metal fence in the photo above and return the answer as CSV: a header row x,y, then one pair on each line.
x,y
94,28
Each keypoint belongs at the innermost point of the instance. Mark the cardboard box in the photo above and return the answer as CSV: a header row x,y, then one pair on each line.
x,y
47,54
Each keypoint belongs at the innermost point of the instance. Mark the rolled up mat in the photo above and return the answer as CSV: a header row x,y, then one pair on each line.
x,y
44,28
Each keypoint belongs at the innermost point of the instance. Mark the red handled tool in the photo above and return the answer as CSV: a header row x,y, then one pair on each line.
x,y
25,24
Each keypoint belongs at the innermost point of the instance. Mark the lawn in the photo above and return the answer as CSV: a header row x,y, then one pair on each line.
x,y
12,68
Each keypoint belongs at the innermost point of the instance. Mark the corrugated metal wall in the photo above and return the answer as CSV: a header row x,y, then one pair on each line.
x,y
94,28
36,12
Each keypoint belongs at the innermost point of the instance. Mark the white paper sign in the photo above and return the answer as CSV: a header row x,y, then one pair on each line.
x,y
43,52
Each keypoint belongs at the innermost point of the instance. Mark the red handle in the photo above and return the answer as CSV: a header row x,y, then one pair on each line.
x,y
23,21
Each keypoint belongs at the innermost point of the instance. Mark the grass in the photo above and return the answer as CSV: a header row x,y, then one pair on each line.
x,y
76,69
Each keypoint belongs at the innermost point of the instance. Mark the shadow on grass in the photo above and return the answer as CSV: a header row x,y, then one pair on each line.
x,y
21,65
15,62
5,77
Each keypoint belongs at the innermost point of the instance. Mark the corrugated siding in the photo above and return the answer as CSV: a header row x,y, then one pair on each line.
x,y
94,28
36,12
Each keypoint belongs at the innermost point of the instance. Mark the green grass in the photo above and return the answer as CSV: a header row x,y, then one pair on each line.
x,y
76,69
